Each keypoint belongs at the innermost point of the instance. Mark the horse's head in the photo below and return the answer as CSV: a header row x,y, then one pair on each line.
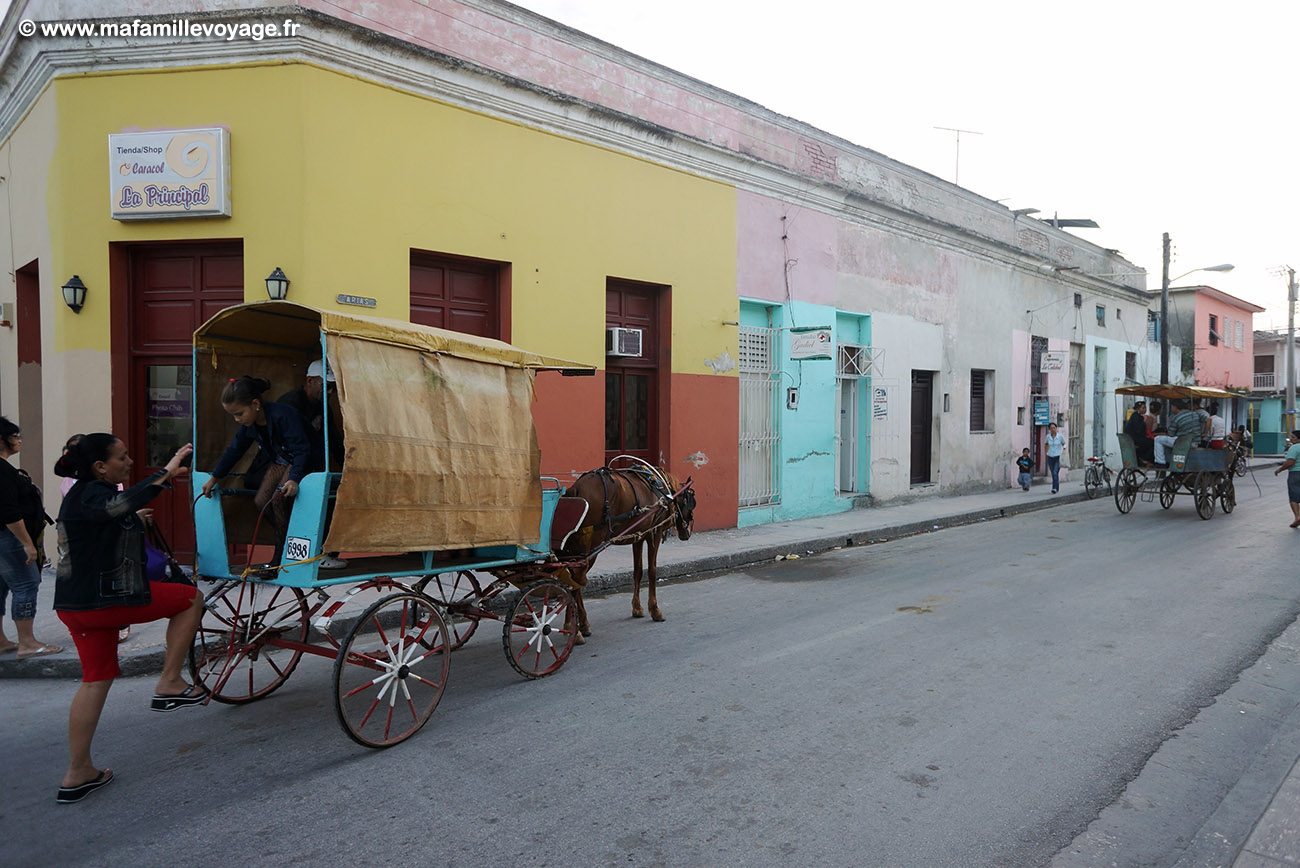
x,y
684,510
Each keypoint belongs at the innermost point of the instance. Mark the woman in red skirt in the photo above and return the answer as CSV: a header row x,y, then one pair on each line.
x,y
101,585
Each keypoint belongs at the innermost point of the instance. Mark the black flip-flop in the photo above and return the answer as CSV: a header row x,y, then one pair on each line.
x,y
193,695
68,795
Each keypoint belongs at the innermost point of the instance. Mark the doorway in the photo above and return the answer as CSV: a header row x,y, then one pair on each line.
x,y
172,290
922,426
632,386
27,320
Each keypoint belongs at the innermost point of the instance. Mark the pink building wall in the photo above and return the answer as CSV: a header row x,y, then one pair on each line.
x,y
1224,364
773,234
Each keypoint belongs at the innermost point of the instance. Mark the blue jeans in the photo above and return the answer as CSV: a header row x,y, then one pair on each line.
x,y
1054,465
18,576
1024,480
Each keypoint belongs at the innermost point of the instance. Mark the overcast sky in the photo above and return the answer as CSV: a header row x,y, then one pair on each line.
x,y
1147,117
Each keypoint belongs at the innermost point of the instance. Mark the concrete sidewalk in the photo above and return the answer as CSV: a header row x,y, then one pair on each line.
x,y
1274,840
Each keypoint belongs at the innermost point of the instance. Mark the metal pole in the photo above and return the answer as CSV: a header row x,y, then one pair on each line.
x,y
1164,314
1290,348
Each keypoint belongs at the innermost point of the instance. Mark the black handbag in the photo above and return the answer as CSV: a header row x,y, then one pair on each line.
x,y
171,570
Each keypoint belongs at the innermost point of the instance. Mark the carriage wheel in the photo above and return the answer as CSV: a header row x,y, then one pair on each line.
x,y
448,591
391,670
1227,495
1168,489
1126,489
1204,489
241,622
540,630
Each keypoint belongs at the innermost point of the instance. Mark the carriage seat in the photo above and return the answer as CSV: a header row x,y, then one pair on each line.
x,y
569,514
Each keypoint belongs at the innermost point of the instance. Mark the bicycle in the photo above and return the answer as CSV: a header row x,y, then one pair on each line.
x,y
1096,475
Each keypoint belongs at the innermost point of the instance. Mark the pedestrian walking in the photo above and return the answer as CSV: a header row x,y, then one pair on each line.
x,y
1292,466
21,520
1055,445
1026,465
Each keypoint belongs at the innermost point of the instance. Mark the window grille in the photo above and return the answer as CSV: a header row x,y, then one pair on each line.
x,y
853,360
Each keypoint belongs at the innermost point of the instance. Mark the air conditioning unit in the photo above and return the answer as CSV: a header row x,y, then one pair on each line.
x,y
622,342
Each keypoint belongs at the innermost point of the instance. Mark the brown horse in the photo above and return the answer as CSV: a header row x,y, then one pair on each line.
x,y
633,506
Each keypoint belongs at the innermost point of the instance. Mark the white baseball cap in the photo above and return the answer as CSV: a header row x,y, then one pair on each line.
x,y
313,370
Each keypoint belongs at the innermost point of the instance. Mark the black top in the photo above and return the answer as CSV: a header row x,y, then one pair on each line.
x,y
284,437
101,546
10,508
314,415
1136,428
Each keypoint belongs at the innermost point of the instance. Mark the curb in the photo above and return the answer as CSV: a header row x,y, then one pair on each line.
x,y
148,660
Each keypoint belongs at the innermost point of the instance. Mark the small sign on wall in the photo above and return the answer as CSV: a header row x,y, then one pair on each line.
x,y
1052,363
879,404
810,343
1042,412
169,174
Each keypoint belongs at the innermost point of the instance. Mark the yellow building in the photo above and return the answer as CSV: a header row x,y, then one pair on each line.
x,y
412,199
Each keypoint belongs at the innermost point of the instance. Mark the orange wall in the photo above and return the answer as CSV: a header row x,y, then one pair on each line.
x,y
702,438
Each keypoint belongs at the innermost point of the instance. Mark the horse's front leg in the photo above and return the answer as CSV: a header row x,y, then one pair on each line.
x,y
652,555
637,611
584,628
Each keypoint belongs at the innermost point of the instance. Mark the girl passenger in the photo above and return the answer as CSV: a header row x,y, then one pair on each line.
x,y
280,434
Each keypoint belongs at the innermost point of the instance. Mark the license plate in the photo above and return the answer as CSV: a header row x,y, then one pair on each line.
x,y
297,548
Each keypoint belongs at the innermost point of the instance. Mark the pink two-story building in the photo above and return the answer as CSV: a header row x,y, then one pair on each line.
x,y
1216,334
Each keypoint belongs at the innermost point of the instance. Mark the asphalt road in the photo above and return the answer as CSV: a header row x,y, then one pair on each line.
x,y
974,697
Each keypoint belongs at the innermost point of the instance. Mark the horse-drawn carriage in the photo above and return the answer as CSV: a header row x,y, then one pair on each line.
x,y
1204,474
440,481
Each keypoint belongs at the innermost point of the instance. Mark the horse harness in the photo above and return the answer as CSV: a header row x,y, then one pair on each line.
x,y
657,486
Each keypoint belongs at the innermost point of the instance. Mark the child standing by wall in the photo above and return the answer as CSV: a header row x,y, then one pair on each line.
x,y
1026,465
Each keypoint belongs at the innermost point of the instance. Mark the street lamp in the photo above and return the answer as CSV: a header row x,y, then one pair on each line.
x,y
1164,305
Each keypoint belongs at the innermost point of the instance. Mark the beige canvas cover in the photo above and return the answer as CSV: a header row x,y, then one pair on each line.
x,y
438,427
441,451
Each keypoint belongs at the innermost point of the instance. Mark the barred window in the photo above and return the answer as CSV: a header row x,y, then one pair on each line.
x,y
981,400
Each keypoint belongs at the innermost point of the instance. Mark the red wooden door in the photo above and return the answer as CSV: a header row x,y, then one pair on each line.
x,y
632,382
460,295
173,290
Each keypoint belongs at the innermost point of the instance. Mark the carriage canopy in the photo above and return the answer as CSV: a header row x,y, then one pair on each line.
x,y
441,451
1169,391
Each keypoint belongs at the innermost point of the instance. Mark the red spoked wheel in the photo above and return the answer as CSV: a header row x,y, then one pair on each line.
x,y
454,593
540,630
236,654
391,670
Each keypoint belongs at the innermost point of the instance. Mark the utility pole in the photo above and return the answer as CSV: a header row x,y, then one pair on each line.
x,y
1290,348
1164,314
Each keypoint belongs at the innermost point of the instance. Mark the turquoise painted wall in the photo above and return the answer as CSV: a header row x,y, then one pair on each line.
x,y
1270,439
806,460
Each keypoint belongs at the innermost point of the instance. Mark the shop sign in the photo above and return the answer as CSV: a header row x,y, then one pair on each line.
x,y
169,174
810,343
1042,412
1051,363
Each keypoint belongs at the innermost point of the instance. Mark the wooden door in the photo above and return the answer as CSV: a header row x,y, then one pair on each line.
x,y
922,425
173,290
632,382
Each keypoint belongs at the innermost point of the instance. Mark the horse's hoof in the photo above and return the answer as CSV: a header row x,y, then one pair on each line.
x,y
637,613
656,616
578,640
586,631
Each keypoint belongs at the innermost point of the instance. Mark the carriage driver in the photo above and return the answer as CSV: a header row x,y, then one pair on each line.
x,y
315,400
1184,421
